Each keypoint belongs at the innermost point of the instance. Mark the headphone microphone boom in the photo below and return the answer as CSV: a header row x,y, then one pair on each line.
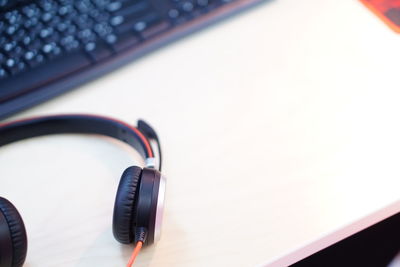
x,y
139,203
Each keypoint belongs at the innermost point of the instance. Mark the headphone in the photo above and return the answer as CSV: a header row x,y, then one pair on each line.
x,y
139,202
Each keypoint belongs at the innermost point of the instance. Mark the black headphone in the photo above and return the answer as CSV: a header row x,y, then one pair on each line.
x,y
140,197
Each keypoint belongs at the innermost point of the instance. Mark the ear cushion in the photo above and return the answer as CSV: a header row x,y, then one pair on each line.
x,y
124,213
17,232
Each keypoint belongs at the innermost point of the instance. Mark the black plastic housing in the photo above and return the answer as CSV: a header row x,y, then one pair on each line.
x,y
146,206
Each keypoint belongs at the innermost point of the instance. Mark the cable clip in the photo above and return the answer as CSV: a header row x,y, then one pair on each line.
x,y
150,162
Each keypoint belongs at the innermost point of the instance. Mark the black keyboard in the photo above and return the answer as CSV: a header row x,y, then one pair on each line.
x,y
50,46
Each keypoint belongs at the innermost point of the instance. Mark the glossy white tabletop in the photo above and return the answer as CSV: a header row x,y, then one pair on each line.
x,y
278,126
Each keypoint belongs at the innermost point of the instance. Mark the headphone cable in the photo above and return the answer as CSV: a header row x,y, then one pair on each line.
x,y
135,252
140,238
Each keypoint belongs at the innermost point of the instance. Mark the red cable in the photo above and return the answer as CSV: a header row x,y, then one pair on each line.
x,y
135,253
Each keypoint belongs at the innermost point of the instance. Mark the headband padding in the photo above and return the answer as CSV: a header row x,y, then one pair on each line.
x,y
17,232
124,208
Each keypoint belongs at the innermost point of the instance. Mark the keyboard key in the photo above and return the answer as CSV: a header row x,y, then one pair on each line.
x,y
146,22
111,39
10,63
17,68
69,43
64,10
46,17
132,7
86,36
89,47
173,13
130,15
46,32
117,20
31,10
3,73
187,6
11,29
98,51
37,60
29,55
17,52
7,47
114,6
103,29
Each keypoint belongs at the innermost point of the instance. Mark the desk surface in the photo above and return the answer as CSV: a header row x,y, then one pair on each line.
x,y
278,125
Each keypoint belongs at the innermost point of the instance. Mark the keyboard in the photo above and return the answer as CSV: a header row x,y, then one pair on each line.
x,y
48,47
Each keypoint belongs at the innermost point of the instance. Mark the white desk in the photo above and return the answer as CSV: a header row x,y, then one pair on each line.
x,y
278,126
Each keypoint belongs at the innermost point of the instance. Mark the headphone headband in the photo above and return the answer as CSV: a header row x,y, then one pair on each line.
x,y
139,201
79,123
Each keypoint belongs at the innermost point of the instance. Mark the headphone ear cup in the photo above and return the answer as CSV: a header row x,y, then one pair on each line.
x,y
124,207
17,232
